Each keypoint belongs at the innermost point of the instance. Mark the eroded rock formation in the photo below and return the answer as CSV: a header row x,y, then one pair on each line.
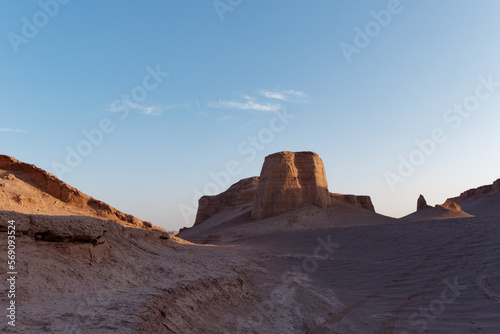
x,y
361,201
29,189
239,193
450,205
288,180
476,192
421,203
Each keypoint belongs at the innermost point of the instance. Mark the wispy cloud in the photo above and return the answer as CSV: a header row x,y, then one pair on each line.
x,y
11,130
250,103
156,111
286,95
151,111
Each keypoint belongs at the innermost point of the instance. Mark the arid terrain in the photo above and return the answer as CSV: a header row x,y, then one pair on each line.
x,y
278,253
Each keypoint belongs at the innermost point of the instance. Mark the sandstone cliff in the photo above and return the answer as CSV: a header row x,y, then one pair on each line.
x,y
240,193
288,180
361,201
28,189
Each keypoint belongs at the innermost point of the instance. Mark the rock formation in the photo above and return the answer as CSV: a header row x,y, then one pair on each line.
x,y
288,180
476,192
28,189
361,201
450,205
421,203
239,193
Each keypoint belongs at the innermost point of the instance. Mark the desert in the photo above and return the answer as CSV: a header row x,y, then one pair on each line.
x,y
316,264
250,167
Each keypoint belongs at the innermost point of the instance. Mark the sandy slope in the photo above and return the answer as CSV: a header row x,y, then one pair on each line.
x,y
236,222
85,275
383,278
483,206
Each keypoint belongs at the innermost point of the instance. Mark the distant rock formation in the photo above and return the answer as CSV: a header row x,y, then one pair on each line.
x,y
446,211
44,193
450,205
361,201
239,193
476,192
288,180
421,203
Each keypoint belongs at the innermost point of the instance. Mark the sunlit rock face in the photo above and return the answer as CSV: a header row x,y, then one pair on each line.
x,y
288,180
450,205
240,193
28,189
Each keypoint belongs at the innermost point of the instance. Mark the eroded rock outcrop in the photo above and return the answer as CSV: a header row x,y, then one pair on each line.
x,y
32,190
476,192
450,205
240,193
421,203
361,201
288,180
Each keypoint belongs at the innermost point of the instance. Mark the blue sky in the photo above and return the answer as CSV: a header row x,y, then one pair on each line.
x,y
178,101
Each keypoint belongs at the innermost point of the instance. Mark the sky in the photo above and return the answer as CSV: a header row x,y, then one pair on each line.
x,y
148,105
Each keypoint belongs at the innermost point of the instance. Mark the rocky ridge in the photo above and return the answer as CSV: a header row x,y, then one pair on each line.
x,y
476,192
28,189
